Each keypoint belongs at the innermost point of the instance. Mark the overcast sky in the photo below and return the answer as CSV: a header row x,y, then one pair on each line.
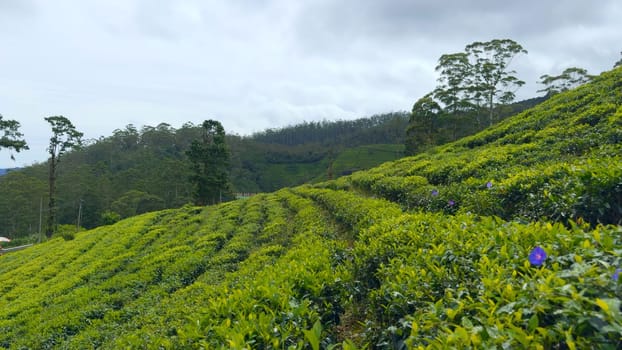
x,y
257,64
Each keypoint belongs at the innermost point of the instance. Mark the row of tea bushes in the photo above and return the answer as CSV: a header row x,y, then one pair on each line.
x,y
467,281
277,295
255,273
115,278
589,189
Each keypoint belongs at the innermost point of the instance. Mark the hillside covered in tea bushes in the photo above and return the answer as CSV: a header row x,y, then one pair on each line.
x,y
506,239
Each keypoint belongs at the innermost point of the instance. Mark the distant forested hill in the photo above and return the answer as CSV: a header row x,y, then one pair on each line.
x,y
139,170
7,170
386,128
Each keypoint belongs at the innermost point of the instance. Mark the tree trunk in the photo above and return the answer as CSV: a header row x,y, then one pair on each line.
x,y
52,202
491,108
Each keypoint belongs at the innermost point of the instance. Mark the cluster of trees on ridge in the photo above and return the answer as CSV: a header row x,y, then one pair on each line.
x,y
476,89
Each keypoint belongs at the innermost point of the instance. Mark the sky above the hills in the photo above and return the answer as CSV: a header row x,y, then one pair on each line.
x,y
257,64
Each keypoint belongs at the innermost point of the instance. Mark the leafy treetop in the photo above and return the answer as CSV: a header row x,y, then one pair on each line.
x,y
493,82
210,158
569,79
64,136
11,137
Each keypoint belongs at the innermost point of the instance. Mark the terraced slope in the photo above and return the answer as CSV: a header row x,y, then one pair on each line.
x,y
560,160
165,274
507,239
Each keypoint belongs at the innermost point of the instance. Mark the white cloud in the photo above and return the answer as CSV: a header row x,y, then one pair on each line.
x,y
269,63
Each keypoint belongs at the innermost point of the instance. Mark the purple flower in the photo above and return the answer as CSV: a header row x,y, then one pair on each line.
x,y
616,274
434,193
537,256
451,203
489,184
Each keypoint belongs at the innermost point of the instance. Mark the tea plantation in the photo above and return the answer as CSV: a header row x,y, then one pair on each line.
x,y
507,239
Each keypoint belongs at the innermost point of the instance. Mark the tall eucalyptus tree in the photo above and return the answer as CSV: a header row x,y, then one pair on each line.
x,y
64,138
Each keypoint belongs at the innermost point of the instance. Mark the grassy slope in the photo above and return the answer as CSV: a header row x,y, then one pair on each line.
x,y
373,259
365,157
279,175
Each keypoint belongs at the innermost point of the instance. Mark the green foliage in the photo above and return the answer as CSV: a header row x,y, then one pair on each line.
x,y
479,77
377,129
473,85
423,124
21,200
456,77
314,335
557,161
209,158
110,217
133,203
466,282
234,255
11,137
364,157
66,232
493,82
569,79
64,138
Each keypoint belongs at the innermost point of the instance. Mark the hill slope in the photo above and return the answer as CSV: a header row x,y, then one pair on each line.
x,y
136,171
403,255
